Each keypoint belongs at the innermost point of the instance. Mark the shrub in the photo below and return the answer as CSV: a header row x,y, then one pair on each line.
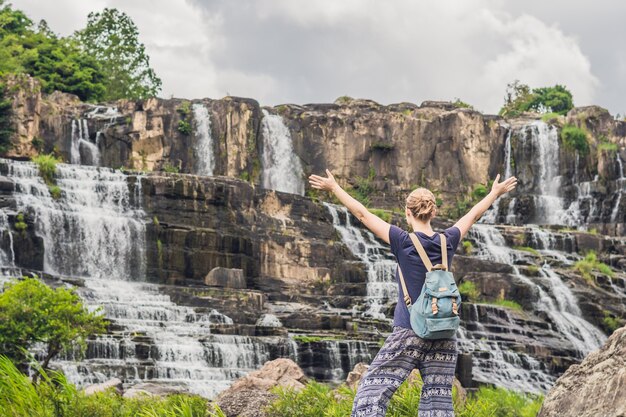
x,y
20,225
519,99
6,126
589,264
469,291
55,191
184,127
31,312
550,117
47,164
459,104
575,138
608,146
467,247
611,323
383,214
382,146
527,249
171,168
343,100
479,192
54,396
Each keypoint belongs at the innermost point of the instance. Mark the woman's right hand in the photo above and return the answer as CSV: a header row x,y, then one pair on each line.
x,y
499,188
323,183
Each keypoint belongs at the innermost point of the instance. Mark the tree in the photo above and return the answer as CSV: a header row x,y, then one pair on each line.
x,y
31,312
6,126
519,99
57,62
112,38
557,99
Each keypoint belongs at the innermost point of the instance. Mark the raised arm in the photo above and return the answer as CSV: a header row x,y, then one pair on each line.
x,y
376,225
497,189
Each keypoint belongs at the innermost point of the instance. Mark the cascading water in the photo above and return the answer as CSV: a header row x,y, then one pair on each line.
x,y
558,303
205,161
96,230
282,169
381,285
621,186
83,151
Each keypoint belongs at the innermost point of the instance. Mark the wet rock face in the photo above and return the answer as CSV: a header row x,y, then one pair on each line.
x,y
595,387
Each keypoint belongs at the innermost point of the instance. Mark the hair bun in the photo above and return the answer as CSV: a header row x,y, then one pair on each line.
x,y
421,202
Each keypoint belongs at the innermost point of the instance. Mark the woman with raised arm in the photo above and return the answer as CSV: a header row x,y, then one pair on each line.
x,y
403,350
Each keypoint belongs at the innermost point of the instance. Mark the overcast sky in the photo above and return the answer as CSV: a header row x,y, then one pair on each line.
x,y
304,51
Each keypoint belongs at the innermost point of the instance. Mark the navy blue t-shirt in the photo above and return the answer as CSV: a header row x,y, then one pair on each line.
x,y
412,266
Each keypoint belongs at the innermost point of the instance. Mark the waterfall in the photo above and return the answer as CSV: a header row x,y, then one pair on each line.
x,y
282,170
381,285
205,161
96,230
82,150
491,215
559,303
549,204
621,185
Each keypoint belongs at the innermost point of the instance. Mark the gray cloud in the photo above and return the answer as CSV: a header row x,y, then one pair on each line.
x,y
297,51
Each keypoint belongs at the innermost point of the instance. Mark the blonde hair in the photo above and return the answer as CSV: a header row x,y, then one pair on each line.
x,y
421,202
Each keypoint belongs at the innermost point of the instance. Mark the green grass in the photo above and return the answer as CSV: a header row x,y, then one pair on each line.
x,y
47,164
383,214
505,303
590,263
469,291
611,323
319,400
55,191
459,104
313,339
608,146
574,137
527,249
167,167
549,117
467,248
382,146
54,396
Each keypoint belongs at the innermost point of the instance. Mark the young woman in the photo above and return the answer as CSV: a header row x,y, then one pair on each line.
x,y
403,350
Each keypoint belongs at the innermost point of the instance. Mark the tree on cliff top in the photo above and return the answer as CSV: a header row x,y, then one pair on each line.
x,y
55,61
31,312
112,38
519,99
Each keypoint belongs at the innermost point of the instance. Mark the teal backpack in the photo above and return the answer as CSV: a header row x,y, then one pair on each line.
x,y
435,314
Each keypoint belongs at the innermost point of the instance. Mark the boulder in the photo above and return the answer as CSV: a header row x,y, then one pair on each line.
x,y
153,390
111,383
596,387
249,395
354,377
226,277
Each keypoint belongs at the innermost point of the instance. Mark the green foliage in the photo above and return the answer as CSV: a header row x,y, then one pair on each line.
x,y
527,249
383,214
550,117
20,225
112,38
343,100
469,291
505,303
312,339
382,146
167,167
47,165
575,138
608,146
319,400
498,402
467,248
184,127
59,63
54,396
479,192
611,323
590,263
459,104
519,99
32,312
6,126
363,188
55,191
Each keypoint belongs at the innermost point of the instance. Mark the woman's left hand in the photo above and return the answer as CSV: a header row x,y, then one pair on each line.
x,y
323,183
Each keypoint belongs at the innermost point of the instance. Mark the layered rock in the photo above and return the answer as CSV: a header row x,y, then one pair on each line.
x,y
594,388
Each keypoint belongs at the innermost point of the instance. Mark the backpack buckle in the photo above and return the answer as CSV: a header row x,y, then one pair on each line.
x,y
441,267
434,306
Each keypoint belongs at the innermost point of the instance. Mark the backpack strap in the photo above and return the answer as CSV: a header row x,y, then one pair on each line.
x,y
421,252
407,297
444,251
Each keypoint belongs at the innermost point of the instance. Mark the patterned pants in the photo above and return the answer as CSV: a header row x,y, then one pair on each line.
x,y
402,352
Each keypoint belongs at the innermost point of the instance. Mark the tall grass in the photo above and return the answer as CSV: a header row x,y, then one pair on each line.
x,y
54,396
319,400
